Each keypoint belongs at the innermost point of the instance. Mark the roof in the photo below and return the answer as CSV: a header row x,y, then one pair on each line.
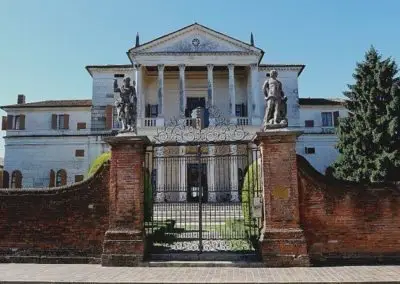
x,y
108,66
320,101
52,103
201,26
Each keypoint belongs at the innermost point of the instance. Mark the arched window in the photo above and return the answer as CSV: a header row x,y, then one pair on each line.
x,y
52,181
61,178
6,179
16,179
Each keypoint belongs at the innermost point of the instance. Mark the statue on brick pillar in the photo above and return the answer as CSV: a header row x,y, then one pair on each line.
x,y
126,105
276,110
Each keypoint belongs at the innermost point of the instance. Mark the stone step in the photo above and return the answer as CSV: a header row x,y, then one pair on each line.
x,y
204,259
177,263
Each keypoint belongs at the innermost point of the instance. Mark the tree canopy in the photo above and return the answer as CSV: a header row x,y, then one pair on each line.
x,y
369,138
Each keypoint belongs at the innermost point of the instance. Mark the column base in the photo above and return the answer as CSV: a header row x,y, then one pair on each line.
x,y
123,248
284,248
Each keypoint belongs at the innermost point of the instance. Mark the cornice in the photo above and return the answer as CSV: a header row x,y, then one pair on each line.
x,y
282,67
188,29
193,53
108,69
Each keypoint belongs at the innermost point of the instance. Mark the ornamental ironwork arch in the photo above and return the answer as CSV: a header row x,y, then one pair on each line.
x,y
222,130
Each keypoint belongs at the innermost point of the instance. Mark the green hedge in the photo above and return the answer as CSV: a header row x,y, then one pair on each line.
x,y
148,195
98,162
251,184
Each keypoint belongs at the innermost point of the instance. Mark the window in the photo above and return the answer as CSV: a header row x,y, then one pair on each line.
x,y
81,125
119,75
17,122
6,179
330,119
61,178
11,122
79,153
78,178
60,121
327,120
16,179
241,110
309,123
309,150
151,110
52,181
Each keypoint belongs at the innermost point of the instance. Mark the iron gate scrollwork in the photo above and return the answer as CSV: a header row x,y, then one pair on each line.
x,y
199,197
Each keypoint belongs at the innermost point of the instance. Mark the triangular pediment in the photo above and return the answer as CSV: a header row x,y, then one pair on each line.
x,y
195,38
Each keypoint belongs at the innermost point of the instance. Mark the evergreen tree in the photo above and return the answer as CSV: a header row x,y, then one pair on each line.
x,y
369,138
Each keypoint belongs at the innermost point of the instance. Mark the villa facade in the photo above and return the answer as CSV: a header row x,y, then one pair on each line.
x,y
51,143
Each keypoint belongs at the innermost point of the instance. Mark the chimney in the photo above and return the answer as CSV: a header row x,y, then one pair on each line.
x,y
21,99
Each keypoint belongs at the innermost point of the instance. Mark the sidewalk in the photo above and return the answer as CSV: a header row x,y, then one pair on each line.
x,y
87,273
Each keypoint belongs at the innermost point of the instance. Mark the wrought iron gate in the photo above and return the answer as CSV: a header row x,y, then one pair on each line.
x,y
202,199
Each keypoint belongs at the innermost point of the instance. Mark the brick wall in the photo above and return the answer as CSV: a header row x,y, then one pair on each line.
x,y
348,221
59,224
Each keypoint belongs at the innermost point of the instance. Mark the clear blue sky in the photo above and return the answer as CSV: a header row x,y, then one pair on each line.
x,y
45,44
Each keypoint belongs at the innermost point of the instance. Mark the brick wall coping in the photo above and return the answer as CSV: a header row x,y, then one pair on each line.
x,y
305,169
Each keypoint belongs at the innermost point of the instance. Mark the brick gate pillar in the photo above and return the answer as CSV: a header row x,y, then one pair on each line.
x,y
282,241
124,240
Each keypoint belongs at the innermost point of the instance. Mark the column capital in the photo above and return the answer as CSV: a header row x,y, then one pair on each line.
x,y
136,66
181,67
210,67
231,66
160,67
253,66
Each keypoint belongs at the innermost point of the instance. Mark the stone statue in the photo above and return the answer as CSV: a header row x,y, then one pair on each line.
x,y
126,105
276,110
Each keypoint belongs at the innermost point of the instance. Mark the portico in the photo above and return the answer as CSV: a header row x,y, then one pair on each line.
x,y
196,62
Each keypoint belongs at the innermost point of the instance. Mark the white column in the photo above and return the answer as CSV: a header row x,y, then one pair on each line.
x,y
232,89
160,94
182,174
255,95
136,76
234,174
212,195
210,90
182,92
139,93
160,174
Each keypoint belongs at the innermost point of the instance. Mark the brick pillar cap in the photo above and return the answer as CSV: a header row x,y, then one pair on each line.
x,y
127,139
284,133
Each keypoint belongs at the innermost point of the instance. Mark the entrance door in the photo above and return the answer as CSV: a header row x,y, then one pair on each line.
x,y
197,183
192,103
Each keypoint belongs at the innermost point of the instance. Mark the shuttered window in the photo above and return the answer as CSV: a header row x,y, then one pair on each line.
x,y
60,121
61,178
16,179
4,123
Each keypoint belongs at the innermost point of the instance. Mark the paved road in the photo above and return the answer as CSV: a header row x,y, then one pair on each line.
x,y
82,273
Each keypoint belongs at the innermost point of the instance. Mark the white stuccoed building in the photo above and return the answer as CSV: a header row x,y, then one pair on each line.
x,y
54,142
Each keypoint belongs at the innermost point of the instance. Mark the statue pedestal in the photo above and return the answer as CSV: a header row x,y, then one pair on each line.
x,y
124,240
282,240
